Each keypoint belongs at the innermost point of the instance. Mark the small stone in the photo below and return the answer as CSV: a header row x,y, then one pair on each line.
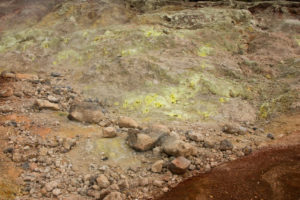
x,y
156,151
51,185
127,122
143,142
8,150
68,144
271,136
207,167
114,196
109,132
44,191
102,181
143,182
179,165
175,147
17,157
192,167
234,129
56,192
157,166
225,145
53,99
209,143
247,150
123,184
44,104
114,187
197,137
55,74
165,189
158,183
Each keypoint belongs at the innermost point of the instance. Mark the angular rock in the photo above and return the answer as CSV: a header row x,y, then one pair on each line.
x,y
56,192
114,196
56,74
225,145
53,99
179,165
195,136
44,104
123,184
102,181
209,143
157,166
109,132
175,147
87,112
142,141
127,122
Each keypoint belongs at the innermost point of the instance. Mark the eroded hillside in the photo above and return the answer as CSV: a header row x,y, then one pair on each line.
x,y
200,80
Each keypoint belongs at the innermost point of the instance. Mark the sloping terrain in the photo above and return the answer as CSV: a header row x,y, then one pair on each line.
x,y
204,78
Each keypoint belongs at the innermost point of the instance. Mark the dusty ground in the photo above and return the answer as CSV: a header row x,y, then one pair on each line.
x,y
192,68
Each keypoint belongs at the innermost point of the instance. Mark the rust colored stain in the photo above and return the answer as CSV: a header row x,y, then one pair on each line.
x,y
41,131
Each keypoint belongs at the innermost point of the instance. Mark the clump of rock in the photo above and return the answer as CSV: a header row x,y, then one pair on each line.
x,y
175,147
179,165
44,104
142,141
109,132
87,112
127,122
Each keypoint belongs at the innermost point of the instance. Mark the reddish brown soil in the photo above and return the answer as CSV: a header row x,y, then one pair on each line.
x,y
271,173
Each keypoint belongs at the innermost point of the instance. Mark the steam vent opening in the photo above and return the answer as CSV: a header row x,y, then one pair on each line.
x,y
136,99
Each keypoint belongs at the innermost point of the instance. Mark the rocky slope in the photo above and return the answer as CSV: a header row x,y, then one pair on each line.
x,y
197,82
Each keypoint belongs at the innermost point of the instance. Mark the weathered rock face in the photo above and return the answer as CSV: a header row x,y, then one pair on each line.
x,y
86,112
179,165
141,141
200,18
146,5
176,147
